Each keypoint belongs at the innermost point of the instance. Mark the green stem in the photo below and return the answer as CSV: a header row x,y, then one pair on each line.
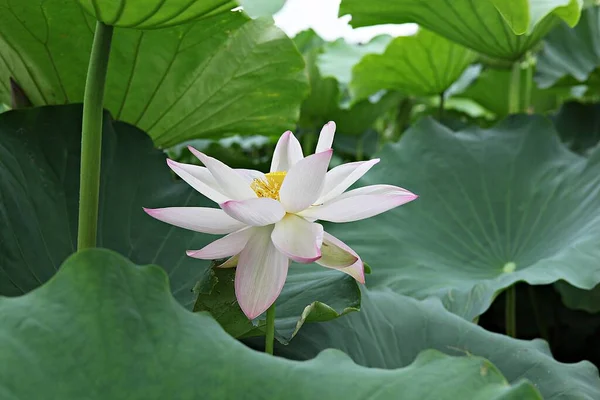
x,y
528,82
514,89
270,335
511,309
442,104
91,137
539,320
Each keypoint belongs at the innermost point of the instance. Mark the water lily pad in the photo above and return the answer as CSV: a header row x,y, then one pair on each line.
x,y
478,25
496,206
391,330
223,75
113,328
39,185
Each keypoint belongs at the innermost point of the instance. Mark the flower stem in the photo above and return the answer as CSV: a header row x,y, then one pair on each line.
x,y
539,319
511,308
91,137
270,335
514,90
528,82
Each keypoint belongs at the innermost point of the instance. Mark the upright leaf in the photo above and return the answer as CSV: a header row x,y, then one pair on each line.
x,y
223,75
571,56
475,24
339,57
424,64
524,15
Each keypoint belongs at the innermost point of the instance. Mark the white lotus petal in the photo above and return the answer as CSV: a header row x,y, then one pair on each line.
x,y
287,153
260,273
303,183
199,219
200,179
227,246
360,203
256,212
298,239
231,182
342,177
338,255
326,137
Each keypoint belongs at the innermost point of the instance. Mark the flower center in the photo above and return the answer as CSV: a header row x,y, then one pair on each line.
x,y
269,187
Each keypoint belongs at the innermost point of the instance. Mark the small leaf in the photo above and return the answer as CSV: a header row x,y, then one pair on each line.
x,y
424,64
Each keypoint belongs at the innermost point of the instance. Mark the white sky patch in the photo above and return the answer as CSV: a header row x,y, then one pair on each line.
x,y
321,15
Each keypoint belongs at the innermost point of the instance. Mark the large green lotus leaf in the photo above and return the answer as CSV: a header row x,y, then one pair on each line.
x,y
424,64
571,56
325,100
579,125
578,299
105,328
39,185
339,57
496,206
223,75
391,330
149,14
475,24
490,90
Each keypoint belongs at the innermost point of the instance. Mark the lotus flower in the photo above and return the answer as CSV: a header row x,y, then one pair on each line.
x,y
269,219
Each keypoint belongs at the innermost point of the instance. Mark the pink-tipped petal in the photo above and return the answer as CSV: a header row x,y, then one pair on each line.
x,y
303,183
360,203
338,255
199,219
200,179
287,153
326,137
342,177
255,212
231,182
227,246
260,274
298,239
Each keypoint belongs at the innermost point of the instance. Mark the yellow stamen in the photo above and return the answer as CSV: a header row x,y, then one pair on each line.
x,y
269,187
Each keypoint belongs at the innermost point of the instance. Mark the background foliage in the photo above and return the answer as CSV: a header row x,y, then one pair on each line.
x,y
508,203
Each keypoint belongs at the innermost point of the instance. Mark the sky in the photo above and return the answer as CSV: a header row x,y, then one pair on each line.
x,y
321,15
